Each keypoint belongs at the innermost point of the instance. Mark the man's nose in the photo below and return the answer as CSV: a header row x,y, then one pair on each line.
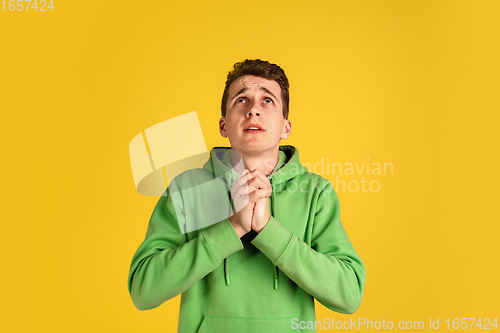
x,y
254,110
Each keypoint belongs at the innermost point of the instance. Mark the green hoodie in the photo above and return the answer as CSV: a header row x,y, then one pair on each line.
x,y
262,282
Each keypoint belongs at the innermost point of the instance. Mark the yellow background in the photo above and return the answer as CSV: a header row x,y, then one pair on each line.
x,y
412,83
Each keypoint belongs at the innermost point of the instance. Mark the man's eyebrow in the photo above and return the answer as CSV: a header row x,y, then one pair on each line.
x,y
268,91
242,90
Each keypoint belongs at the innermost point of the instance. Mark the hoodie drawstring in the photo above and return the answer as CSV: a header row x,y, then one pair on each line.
x,y
226,274
273,214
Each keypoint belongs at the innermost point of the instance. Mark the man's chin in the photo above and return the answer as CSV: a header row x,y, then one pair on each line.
x,y
254,149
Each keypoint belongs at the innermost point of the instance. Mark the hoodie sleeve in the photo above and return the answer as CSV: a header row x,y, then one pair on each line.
x,y
166,264
329,269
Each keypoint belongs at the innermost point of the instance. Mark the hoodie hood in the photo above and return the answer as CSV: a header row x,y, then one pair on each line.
x,y
287,167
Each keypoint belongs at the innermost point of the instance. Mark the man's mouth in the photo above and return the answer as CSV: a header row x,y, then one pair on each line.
x,y
253,128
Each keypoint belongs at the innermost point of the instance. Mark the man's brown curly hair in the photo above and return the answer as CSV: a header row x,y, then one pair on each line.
x,y
260,68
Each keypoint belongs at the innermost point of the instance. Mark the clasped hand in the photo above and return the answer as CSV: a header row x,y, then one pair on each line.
x,y
251,209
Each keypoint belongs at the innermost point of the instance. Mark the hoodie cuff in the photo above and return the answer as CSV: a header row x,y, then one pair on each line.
x,y
222,240
273,239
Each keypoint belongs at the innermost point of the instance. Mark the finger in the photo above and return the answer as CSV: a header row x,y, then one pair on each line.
x,y
256,182
244,191
260,175
242,181
260,183
242,184
258,194
241,198
238,180
242,174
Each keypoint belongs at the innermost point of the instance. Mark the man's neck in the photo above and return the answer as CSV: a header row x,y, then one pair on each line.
x,y
265,162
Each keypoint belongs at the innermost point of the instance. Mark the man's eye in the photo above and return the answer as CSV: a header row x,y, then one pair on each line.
x,y
240,100
268,101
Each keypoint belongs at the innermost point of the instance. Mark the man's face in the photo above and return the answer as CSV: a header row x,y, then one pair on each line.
x,y
254,102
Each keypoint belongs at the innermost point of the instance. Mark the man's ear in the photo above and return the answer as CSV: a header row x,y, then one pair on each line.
x,y
287,130
222,128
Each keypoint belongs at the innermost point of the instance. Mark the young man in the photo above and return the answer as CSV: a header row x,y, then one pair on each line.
x,y
273,241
